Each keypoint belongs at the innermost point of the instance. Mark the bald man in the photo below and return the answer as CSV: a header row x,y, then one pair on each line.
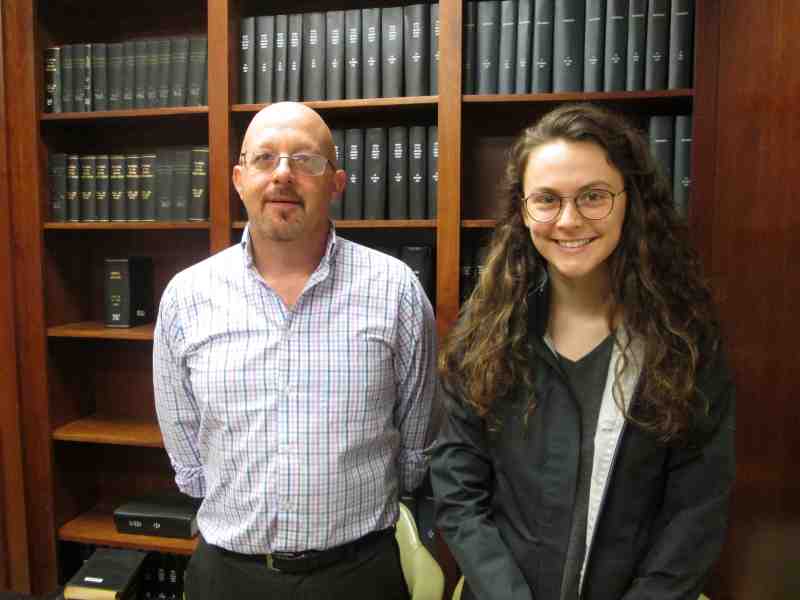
x,y
294,378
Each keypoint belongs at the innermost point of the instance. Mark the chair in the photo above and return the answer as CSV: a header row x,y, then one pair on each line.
x,y
424,577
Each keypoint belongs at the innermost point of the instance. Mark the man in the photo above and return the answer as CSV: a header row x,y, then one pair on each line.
x,y
294,377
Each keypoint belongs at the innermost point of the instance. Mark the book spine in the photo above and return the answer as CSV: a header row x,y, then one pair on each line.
x,y
433,49
140,74
99,77
420,260
416,45
637,37
470,46
80,60
542,61
179,70
67,99
115,60
101,172
506,58
417,173
337,204
198,53
371,56
398,172
128,74
171,527
375,173
147,187
334,55
392,55
616,52
662,143
198,203
354,167
568,45
181,183
73,188
281,57
87,188
247,60
52,80
682,176
117,293
488,49
295,58
433,170
88,78
132,188
116,187
522,75
657,46
352,54
164,63
153,68
594,47
681,36
164,164
313,77
265,57
57,171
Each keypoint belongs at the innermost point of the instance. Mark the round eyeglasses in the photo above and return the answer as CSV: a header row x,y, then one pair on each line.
x,y
305,163
593,204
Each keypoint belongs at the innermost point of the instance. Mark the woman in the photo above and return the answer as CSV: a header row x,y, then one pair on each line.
x,y
588,450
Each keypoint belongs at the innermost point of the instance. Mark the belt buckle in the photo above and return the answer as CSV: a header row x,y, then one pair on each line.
x,y
271,563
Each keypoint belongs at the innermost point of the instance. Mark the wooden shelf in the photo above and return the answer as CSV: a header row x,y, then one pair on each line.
x,y
97,527
97,330
126,114
100,429
561,97
359,104
372,224
478,223
148,225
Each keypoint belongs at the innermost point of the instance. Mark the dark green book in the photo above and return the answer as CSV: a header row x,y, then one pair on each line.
x,y
101,192
506,57
417,173
398,172
132,187
334,54
164,62
470,46
67,97
616,46
128,74
662,142
152,72
147,187
198,203
247,60
313,53
568,45
265,57
352,54
594,46
87,186
82,77
52,80
542,59
682,175
128,291
140,74
371,52
681,38
281,57
198,52
294,58
99,77
73,188
656,66
433,170
57,174
375,173
181,183
354,167
164,167
391,54
115,61
178,70
522,81
416,43
116,186
637,38
433,49
110,573
488,46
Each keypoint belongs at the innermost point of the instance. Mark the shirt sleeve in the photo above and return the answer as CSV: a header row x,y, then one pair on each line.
x,y
176,407
417,413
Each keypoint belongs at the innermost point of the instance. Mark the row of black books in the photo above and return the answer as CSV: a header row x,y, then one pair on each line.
x,y
168,184
420,259
671,145
141,73
333,55
392,173
541,46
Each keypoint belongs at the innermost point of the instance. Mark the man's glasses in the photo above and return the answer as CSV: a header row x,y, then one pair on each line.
x,y
304,163
593,204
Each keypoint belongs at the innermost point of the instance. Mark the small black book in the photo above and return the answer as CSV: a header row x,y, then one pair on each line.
x,y
167,514
420,260
52,80
128,291
109,573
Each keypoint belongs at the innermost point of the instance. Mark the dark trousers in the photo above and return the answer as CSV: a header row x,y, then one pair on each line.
x,y
374,573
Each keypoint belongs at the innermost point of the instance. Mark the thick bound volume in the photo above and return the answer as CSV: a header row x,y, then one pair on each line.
x,y
568,45
416,42
132,187
488,47
115,61
662,142
392,51
109,573
616,52
352,54
657,63
294,58
99,77
375,173
522,77
637,38
67,100
313,53
57,171
82,77
433,169
73,188
247,60
198,203
164,167
128,73
198,52
433,50
337,204
140,74
153,72
470,46
181,183
334,55
265,57
506,58
594,46
682,176
371,52
147,187
87,187
167,514
179,70
543,29
128,291
354,166
420,260
281,57
101,191
681,36
398,172
116,186
417,173
52,80
164,60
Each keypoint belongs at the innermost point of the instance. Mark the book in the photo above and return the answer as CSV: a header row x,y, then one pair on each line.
x,y
657,45
398,172
153,72
542,60
313,74
181,183
352,54
87,188
128,73
417,173
178,70
57,179
247,60
99,77
128,291
73,188
281,57
115,61
82,77
198,202
470,46
116,186
334,55
67,99
522,74
294,58
637,37
420,260
681,37
488,46
433,49
433,170
52,80
594,46
198,53
164,166
661,132
371,52
568,45
132,187
682,164
506,58
375,173
337,204
101,190
416,49
164,61
140,72
616,46
264,58
147,185
108,574
165,514
392,55
354,167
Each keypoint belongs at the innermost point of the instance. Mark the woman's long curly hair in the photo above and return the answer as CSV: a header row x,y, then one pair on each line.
x,y
656,285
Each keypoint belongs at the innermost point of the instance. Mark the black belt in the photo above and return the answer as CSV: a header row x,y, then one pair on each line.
x,y
312,560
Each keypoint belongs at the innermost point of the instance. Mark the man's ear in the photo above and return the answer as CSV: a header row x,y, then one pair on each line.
x,y
237,179
339,181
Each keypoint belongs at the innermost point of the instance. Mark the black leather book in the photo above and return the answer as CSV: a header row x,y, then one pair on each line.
x,y
116,63
52,80
522,76
116,186
67,97
542,59
354,166
398,172
681,44
132,188
568,45
265,57
371,52
147,187
164,63
101,190
294,58
594,46
313,74
334,55
198,203
128,73
140,74
682,176
178,70
198,53
470,46
57,175
417,173
433,49
352,54
416,53
128,291
166,514
420,260
109,573
73,188
506,58
164,168
337,204
657,62
87,188
99,77
616,46
153,72
662,142
181,183
433,170
247,60
375,173
279,88
82,77
637,38
488,48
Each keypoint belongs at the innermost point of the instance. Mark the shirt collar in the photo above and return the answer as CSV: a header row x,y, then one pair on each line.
x,y
247,248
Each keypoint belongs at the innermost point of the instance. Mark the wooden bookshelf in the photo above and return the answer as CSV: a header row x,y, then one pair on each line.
x,y
141,225
98,330
101,429
138,113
